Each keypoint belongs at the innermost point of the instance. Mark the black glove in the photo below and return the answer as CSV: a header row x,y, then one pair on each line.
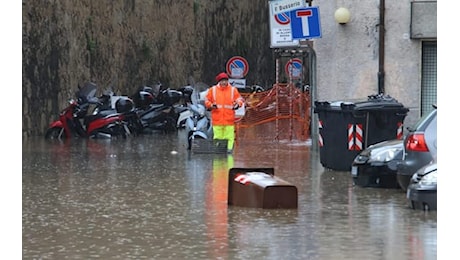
x,y
236,106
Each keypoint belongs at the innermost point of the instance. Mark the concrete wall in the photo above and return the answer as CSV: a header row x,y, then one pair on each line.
x,y
348,55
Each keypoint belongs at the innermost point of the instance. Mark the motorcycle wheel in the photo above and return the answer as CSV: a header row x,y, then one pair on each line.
x,y
170,125
55,133
119,131
189,140
110,132
135,129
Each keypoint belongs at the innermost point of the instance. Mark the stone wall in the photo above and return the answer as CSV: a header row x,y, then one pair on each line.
x,y
124,44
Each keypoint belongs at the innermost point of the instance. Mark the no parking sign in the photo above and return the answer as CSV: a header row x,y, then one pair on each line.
x,y
237,67
293,68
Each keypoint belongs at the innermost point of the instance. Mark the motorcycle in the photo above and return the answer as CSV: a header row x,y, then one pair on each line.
x,y
113,116
163,113
198,126
69,125
104,122
183,110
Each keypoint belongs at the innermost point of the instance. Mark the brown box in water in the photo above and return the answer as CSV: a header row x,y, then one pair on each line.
x,y
259,188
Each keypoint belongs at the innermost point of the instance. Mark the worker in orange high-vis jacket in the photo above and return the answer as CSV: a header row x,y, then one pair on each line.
x,y
222,100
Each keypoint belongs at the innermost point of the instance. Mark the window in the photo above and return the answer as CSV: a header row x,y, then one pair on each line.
x,y
429,76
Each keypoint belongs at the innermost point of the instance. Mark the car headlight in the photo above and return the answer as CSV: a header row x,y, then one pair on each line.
x,y
386,155
430,178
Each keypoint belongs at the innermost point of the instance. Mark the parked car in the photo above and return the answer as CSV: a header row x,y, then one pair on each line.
x,y
422,190
376,166
420,148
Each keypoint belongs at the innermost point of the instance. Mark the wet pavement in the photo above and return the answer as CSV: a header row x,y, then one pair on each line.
x,y
149,198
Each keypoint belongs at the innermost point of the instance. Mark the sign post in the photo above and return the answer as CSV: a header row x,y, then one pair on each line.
x,y
291,21
293,68
237,67
305,23
280,23
283,6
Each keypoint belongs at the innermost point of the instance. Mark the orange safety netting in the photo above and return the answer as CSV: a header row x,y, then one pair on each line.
x,y
281,113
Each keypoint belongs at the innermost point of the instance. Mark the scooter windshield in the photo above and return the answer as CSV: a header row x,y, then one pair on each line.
x,y
199,92
87,92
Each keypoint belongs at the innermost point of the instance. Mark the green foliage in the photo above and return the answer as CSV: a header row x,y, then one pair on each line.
x,y
91,43
196,6
146,50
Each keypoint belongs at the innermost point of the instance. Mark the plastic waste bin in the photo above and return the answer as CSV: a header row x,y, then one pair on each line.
x,y
259,188
346,128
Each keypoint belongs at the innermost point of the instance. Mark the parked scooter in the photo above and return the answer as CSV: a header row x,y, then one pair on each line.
x,y
70,125
164,114
198,126
183,109
113,116
104,122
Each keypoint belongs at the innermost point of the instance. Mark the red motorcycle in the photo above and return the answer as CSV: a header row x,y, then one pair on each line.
x,y
103,122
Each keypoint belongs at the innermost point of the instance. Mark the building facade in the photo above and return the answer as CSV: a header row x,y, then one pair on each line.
x,y
353,60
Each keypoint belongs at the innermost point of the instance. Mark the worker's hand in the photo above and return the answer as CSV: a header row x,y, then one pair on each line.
x,y
214,106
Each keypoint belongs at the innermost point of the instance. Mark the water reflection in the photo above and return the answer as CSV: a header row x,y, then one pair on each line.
x,y
150,198
216,206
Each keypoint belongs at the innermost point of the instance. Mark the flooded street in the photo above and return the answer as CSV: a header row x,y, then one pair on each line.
x,y
139,199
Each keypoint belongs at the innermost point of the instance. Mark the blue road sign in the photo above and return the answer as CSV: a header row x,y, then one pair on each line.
x,y
305,23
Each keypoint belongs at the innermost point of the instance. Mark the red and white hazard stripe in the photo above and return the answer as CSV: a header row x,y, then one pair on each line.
x,y
320,138
359,137
351,138
399,131
355,137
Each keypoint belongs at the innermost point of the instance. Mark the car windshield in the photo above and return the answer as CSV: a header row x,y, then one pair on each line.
x,y
423,121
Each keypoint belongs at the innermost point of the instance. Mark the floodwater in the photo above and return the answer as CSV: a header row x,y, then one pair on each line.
x,y
137,198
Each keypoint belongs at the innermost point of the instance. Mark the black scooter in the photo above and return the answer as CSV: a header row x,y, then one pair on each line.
x,y
159,112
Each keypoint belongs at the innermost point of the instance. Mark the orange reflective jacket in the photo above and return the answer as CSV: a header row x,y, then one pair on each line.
x,y
224,97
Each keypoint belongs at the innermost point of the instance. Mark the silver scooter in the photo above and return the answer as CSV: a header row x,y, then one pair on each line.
x,y
198,125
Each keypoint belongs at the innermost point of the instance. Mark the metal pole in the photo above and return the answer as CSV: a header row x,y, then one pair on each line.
x,y
367,130
276,96
291,69
381,73
313,96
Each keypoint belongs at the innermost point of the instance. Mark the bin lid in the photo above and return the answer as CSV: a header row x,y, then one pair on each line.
x,y
373,103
